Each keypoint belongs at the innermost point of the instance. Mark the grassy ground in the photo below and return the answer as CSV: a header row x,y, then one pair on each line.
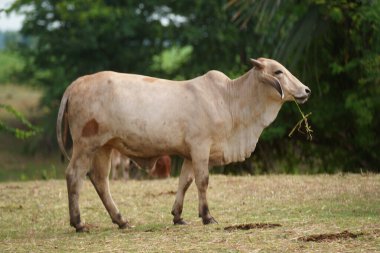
x,y
34,216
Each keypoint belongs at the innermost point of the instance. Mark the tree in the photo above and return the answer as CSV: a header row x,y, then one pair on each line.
x,y
337,45
333,46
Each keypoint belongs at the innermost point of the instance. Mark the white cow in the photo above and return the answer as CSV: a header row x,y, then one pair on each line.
x,y
209,120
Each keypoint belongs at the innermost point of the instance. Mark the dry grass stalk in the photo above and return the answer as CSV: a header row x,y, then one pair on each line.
x,y
308,131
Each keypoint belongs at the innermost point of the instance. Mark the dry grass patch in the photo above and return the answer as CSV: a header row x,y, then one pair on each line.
x,y
34,216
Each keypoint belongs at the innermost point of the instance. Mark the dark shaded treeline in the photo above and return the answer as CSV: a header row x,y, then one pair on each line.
x,y
332,46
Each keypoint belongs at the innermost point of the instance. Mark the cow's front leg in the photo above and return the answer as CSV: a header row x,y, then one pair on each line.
x,y
185,179
200,165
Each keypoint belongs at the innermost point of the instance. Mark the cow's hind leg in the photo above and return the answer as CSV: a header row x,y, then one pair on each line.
x,y
185,179
75,173
99,175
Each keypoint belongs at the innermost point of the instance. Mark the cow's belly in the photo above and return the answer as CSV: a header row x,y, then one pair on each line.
x,y
145,142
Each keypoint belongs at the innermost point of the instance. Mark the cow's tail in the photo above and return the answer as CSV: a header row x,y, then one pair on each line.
x,y
63,121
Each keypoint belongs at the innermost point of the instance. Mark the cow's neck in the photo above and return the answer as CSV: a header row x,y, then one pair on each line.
x,y
251,111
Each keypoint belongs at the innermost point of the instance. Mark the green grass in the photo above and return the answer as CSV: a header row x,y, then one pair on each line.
x,y
34,215
17,164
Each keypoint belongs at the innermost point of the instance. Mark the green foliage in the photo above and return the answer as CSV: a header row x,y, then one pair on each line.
x,y
30,131
171,59
10,64
332,46
336,45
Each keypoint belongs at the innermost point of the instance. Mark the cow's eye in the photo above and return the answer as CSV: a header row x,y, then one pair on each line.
x,y
278,72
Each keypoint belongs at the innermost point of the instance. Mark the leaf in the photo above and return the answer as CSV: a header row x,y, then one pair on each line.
x,y
18,133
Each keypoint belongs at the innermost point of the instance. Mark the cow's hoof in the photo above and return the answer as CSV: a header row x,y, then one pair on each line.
x,y
124,225
180,222
82,229
210,220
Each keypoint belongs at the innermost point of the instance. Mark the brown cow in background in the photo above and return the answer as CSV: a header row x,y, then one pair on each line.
x,y
121,165
162,167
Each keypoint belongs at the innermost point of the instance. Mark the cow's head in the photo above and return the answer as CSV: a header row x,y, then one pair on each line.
x,y
287,85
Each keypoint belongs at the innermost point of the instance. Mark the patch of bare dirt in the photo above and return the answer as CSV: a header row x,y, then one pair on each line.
x,y
330,237
252,226
11,207
162,193
13,187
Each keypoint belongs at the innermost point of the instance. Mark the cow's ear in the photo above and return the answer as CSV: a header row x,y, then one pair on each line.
x,y
275,83
257,64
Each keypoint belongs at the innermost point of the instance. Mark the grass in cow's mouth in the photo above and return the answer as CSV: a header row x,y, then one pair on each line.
x,y
302,122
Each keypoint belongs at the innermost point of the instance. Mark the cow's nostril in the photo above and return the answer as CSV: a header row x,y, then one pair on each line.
x,y
308,91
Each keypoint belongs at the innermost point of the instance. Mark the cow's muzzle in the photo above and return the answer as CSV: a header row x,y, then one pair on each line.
x,y
302,99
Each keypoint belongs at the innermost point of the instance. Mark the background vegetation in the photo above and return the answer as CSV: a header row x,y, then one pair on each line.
x,y
332,46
